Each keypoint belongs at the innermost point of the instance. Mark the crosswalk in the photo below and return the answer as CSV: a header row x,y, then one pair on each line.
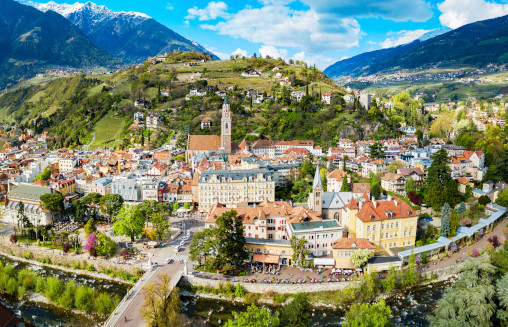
x,y
179,257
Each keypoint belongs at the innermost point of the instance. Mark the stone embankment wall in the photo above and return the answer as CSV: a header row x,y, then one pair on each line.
x,y
60,262
263,288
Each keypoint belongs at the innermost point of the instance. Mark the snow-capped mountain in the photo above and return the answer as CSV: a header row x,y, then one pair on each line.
x,y
130,36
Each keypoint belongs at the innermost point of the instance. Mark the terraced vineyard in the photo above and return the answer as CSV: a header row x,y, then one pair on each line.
x,y
107,130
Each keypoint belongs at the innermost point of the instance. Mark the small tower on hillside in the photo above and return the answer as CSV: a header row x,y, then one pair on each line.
x,y
317,193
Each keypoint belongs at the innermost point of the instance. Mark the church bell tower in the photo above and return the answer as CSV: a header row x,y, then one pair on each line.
x,y
225,135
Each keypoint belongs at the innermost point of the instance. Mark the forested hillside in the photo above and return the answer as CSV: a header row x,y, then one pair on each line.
x,y
77,108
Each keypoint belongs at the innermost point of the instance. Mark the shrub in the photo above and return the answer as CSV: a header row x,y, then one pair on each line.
x,y
105,304
54,289
40,285
65,247
475,253
239,291
484,200
11,287
488,247
13,239
67,298
21,292
494,240
27,255
27,278
90,268
84,299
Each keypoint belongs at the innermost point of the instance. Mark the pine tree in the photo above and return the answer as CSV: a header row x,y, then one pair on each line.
x,y
345,185
461,209
445,220
454,223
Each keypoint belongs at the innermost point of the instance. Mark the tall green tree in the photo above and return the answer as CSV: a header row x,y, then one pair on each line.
x,y
345,185
438,177
470,301
161,225
201,245
445,220
297,312
111,204
365,315
501,171
411,185
376,151
53,202
299,249
130,221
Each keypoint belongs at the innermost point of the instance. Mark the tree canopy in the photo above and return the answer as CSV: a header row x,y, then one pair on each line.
x,y
254,317
130,221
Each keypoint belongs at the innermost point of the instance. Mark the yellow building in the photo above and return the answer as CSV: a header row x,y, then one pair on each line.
x,y
64,187
269,250
386,224
344,247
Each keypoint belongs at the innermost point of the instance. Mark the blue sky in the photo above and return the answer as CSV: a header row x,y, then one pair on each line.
x,y
317,31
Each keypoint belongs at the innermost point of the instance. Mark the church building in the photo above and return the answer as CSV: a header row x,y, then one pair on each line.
x,y
206,144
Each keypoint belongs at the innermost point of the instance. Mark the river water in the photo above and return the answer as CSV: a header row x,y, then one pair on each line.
x,y
409,308
43,315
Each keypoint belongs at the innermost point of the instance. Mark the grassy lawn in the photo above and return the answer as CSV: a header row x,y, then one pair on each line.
x,y
107,130
94,90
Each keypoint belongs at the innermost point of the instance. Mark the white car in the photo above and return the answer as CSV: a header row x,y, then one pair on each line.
x,y
168,260
177,248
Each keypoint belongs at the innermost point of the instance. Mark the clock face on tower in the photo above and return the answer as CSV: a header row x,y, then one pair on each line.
x,y
226,115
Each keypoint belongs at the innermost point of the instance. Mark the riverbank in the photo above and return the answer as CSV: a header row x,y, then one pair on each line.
x,y
97,275
409,306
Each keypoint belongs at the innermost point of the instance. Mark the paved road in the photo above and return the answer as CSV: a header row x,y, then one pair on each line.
x,y
128,313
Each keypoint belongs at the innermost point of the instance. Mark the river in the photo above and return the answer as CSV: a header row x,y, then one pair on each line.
x,y
409,308
43,315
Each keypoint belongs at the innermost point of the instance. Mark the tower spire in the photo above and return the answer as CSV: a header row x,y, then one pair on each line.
x,y
317,179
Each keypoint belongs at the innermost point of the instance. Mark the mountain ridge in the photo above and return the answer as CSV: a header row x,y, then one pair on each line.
x,y
31,40
129,36
477,44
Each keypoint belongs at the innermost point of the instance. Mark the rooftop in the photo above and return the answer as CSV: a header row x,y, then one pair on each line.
x,y
316,225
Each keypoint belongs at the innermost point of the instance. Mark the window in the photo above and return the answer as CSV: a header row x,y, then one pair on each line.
x,y
396,225
373,227
368,228
408,242
404,243
373,237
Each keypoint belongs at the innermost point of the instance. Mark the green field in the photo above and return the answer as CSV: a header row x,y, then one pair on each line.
x,y
107,130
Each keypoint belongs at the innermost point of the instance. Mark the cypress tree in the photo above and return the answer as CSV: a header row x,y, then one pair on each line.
x,y
445,220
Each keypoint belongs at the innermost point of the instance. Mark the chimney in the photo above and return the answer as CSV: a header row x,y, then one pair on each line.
x,y
395,201
374,202
360,204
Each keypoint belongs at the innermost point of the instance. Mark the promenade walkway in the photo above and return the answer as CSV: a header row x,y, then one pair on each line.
x,y
479,245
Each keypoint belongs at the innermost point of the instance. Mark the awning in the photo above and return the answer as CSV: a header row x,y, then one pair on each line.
x,y
267,258
324,262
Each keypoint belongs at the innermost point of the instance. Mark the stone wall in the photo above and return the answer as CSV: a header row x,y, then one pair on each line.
x,y
59,260
263,288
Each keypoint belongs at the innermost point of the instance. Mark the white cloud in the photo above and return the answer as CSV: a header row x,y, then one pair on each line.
x,y
284,27
456,13
169,6
273,52
239,52
320,61
402,37
396,10
212,11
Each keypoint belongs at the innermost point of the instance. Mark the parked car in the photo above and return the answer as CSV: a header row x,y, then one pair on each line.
x,y
168,260
177,248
